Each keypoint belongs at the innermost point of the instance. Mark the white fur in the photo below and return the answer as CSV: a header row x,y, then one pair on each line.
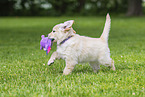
x,y
81,49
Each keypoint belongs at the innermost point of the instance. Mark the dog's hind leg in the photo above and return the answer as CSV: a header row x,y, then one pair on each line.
x,y
70,64
108,62
112,65
95,66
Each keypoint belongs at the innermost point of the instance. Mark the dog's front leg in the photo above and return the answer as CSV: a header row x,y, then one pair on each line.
x,y
53,57
69,67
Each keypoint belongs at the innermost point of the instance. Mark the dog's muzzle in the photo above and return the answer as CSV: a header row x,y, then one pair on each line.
x,y
52,39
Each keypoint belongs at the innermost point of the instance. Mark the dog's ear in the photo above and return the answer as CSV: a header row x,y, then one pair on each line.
x,y
67,25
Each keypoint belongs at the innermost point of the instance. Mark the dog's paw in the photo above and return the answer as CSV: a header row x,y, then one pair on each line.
x,y
66,73
96,71
50,63
113,68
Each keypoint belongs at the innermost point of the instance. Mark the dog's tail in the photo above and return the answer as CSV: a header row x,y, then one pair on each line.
x,y
106,30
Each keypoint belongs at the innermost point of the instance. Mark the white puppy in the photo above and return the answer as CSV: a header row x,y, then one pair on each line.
x,y
75,49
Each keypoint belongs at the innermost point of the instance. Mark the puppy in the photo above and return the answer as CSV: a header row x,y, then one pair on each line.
x,y
75,49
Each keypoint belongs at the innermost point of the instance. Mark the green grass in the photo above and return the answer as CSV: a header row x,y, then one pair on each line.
x,y
22,72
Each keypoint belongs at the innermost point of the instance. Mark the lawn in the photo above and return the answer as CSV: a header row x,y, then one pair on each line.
x,y
22,72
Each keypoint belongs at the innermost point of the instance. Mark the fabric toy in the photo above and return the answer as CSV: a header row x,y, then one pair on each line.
x,y
45,44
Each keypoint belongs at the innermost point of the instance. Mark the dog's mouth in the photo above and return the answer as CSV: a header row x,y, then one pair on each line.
x,y
52,40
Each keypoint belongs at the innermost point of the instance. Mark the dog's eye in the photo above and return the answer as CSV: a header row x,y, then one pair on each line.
x,y
64,27
53,31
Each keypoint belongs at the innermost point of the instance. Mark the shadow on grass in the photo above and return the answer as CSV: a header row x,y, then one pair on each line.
x,y
87,69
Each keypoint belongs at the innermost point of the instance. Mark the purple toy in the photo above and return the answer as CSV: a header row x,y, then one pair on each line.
x,y
45,44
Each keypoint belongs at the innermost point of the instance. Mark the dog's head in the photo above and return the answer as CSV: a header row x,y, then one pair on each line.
x,y
62,31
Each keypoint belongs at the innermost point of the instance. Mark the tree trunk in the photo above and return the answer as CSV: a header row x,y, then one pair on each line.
x,y
134,8
81,5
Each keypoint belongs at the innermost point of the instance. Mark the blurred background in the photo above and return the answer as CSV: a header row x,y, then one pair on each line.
x,y
71,7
